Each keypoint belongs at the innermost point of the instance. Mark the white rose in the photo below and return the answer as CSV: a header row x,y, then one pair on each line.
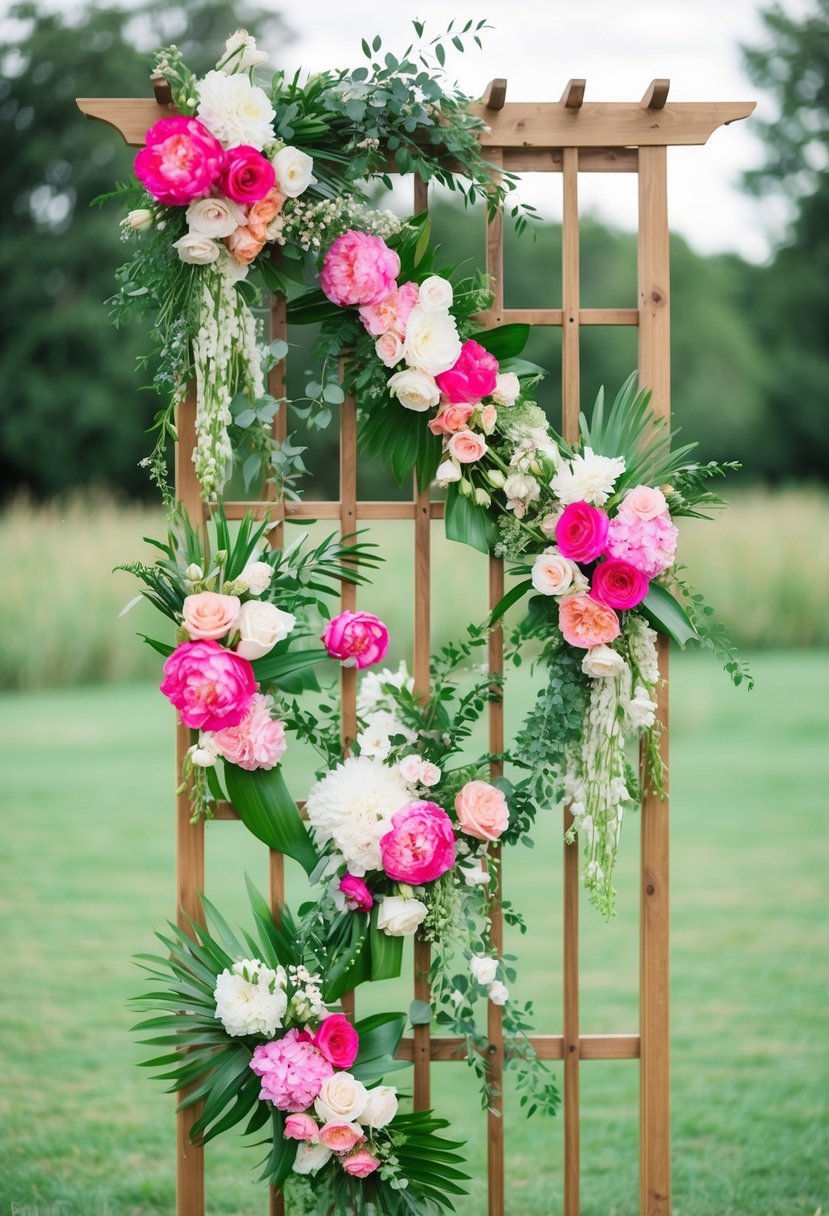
x,y
414,389
294,171
256,576
409,768
429,773
196,250
552,573
342,1099
310,1157
498,993
435,294
389,349
399,917
140,219
235,111
602,661
432,344
260,627
381,1106
215,217
483,968
447,472
241,53
507,388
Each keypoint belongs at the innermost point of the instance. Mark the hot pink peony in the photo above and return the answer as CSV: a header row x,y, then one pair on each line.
x,y
292,1071
482,810
473,375
618,584
359,269
338,1041
300,1127
581,532
257,742
452,418
361,1164
421,844
586,623
392,312
356,638
341,1137
247,175
648,544
357,895
181,160
209,685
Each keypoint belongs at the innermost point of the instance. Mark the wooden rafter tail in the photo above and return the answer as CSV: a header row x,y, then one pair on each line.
x,y
131,117
495,94
656,94
573,95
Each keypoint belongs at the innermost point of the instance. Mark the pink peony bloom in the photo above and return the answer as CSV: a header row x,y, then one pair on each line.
x,y
247,175
300,1127
209,685
266,209
421,844
356,638
648,544
467,446
644,502
337,1040
341,1137
392,313
361,1164
359,269
210,615
618,584
292,1071
453,417
472,377
482,810
358,898
586,623
581,532
247,243
181,160
257,742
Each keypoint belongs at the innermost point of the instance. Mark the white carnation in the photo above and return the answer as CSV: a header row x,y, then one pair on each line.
x,y
353,806
251,998
587,478
432,344
235,111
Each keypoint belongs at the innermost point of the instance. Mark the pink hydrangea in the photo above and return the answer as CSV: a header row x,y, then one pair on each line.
x,y
359,269
472,377
421,844
292,1071
648,544
391,313
181,160
356,638
247,175
209,685
257,742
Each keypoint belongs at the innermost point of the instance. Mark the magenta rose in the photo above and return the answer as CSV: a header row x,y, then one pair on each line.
x,y
356,638
473,375
209,685
337,1040
292,1071
359,269
358,898
181,160
246,175
581,532
618,584
421,844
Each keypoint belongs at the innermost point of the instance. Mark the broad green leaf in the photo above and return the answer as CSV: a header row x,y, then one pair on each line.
x,y
267,809
386,951
667,615
505,341
275,667
512,597
468,523
420,1013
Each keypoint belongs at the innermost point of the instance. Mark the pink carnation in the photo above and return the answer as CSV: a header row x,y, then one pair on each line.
x,y
586,623
618,584
257,742
361,1164
247,175
392,312
358,898
356,638
209,685
337,1040
359,269
472,377
300,1127
581,532
292,1071
648,544
421,844
181,160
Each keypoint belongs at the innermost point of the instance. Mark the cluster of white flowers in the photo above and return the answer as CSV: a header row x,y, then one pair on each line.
x,y
314,225
431,345
379,728
352,805
307,1004
484,970
251,998
587,478
372,695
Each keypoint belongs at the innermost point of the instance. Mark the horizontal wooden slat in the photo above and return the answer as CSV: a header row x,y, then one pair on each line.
x,y
226,810
547,1047
330,510
591,160
555,316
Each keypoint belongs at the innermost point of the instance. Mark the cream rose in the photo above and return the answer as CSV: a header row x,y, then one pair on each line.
x,y
432,344
409,769
498,993
294,171
342,1099
209,615
256,576
381,1106
483,968
548,524
389,349
522,486
429,773
213,217
552,573
435,294
261,626
196,250
414,389
602,662
310,1157
644,502
507,389
399,917
467,446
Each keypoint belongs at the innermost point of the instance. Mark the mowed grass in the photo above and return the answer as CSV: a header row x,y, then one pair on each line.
x,y
87,873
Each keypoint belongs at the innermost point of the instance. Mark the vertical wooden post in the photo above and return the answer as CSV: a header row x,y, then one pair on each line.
x,y
348,591
654,1027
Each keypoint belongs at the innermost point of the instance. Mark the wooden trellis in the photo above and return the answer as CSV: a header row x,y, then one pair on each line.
x,y
570,137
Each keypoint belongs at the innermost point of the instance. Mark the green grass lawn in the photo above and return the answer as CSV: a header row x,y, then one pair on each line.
x,y
87,873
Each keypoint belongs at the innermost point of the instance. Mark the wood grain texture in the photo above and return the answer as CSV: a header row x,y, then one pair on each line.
x,y
573,96
656,94
570,281
447,1048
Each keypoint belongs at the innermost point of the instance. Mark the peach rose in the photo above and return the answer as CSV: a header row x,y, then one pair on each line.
x,y
452,418
586,623
245,244
482,810
210,615
645,502
267,209
341,1137
467,447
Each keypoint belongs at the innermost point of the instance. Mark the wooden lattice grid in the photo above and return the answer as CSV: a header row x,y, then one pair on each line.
x,y
568,137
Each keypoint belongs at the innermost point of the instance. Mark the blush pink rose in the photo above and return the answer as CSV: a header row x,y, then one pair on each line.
x,y
618,584
581,531
467,446
359,269
482,810
356,638
181,160
586,623
246,243
648,544
292,1071
360,1164
257,742
645,502
337,1040
453,417
473,375
247,175
300,1127
341,1137
209,685
210,615
392,313
489,416
421,844
266,209
358,898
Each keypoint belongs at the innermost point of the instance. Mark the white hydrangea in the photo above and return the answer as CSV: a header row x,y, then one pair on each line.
x,y
251,998
371,695
587,478
235,111
353,806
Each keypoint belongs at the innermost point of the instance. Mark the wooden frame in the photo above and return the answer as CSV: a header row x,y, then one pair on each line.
x,y
570,137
